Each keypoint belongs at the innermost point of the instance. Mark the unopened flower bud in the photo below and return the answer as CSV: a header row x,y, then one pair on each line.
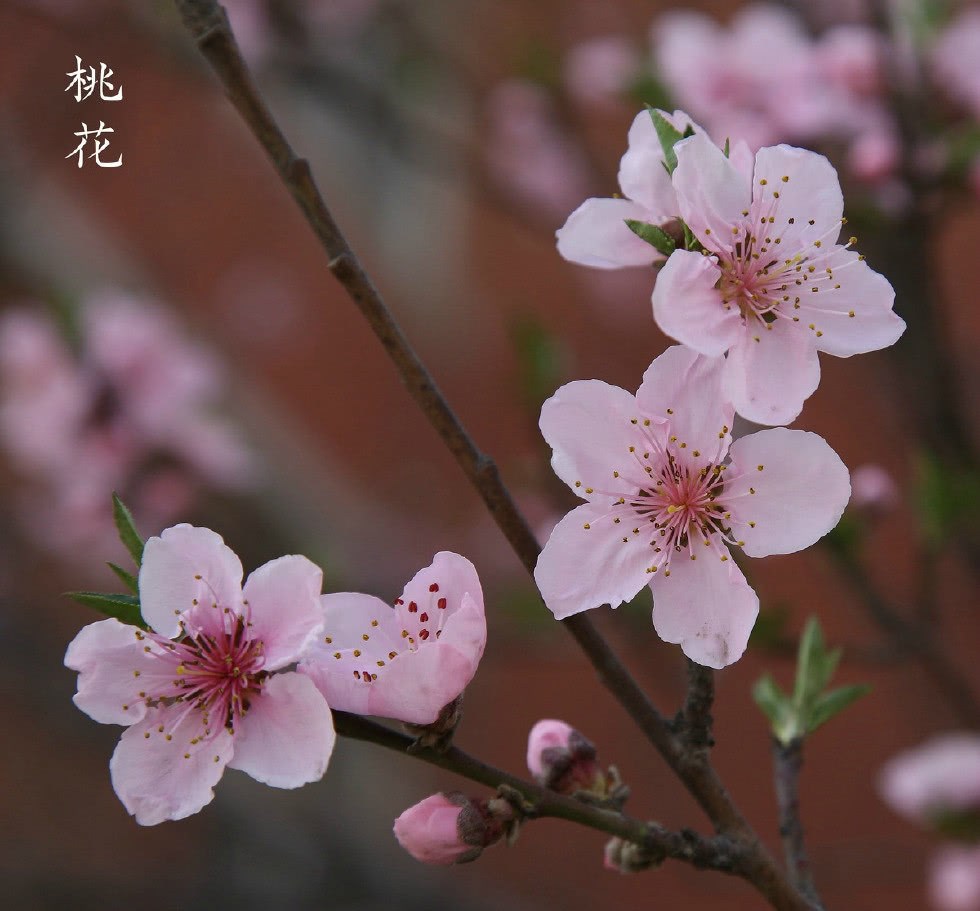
x,y
629,857
449,828
561,759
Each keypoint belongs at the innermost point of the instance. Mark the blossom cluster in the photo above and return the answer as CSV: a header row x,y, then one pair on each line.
x,y
126,405
223,674
760,284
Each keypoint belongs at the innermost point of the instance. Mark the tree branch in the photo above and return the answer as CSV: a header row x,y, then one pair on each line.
x,y
207,22
787,760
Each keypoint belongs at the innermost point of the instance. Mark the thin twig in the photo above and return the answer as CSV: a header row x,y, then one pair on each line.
x,y
787,760
207,22
694,720
717,853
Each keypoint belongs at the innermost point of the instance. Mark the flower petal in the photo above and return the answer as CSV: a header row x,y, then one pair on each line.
x,y
163,775
688,307
286,738
183,567
589,426
711,193
448,577
771,372
596,235
811,197
706,606
852,311
283,605
642,175
800,490
689,385
106,654
584,567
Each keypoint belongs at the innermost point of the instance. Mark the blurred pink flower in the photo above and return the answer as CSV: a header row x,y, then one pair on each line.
x,y
442,829
408,662
599,71
667,494
954,878
954,59
201,690
938,776
873,489
527,153
596,234
774,287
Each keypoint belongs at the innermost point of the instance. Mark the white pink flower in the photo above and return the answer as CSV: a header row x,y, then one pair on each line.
x,y
598,71
939,776
773,286
596,233
205,687
954,878
667,494
954,59
407,662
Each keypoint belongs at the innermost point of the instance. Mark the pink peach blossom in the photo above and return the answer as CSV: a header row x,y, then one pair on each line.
x,y
206,687
954,878
873,489
938,776
667,493
433,830
596,233
406,662
954,59
773,286
598,71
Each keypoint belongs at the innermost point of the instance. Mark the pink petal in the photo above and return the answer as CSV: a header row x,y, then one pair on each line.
x,y
688,307
106,654
283,604
429,831
581,568
596,235
771,372
452,576
183,567
862,292
706,606
686,386
286,738
812,194
642,175
801,488
417,684
348,616
152,776
589,426
711,193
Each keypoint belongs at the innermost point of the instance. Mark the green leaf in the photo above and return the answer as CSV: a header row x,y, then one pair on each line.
x,y
128,579
960,825
653,235
833,703
127,529
777,707
123,607
690,241
814,665
728,147
668,135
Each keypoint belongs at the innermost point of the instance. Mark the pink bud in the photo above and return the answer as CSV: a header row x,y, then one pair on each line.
x,y
442,829
560,758
873,489
954,879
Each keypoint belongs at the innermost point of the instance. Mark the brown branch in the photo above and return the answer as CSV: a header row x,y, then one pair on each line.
x,y
693,722
717,853
208,24
787,761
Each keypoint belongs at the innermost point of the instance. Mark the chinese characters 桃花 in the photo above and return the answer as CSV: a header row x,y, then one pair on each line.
x,y
85,82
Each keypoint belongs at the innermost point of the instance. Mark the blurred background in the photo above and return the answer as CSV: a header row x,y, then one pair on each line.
x,y
169,330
